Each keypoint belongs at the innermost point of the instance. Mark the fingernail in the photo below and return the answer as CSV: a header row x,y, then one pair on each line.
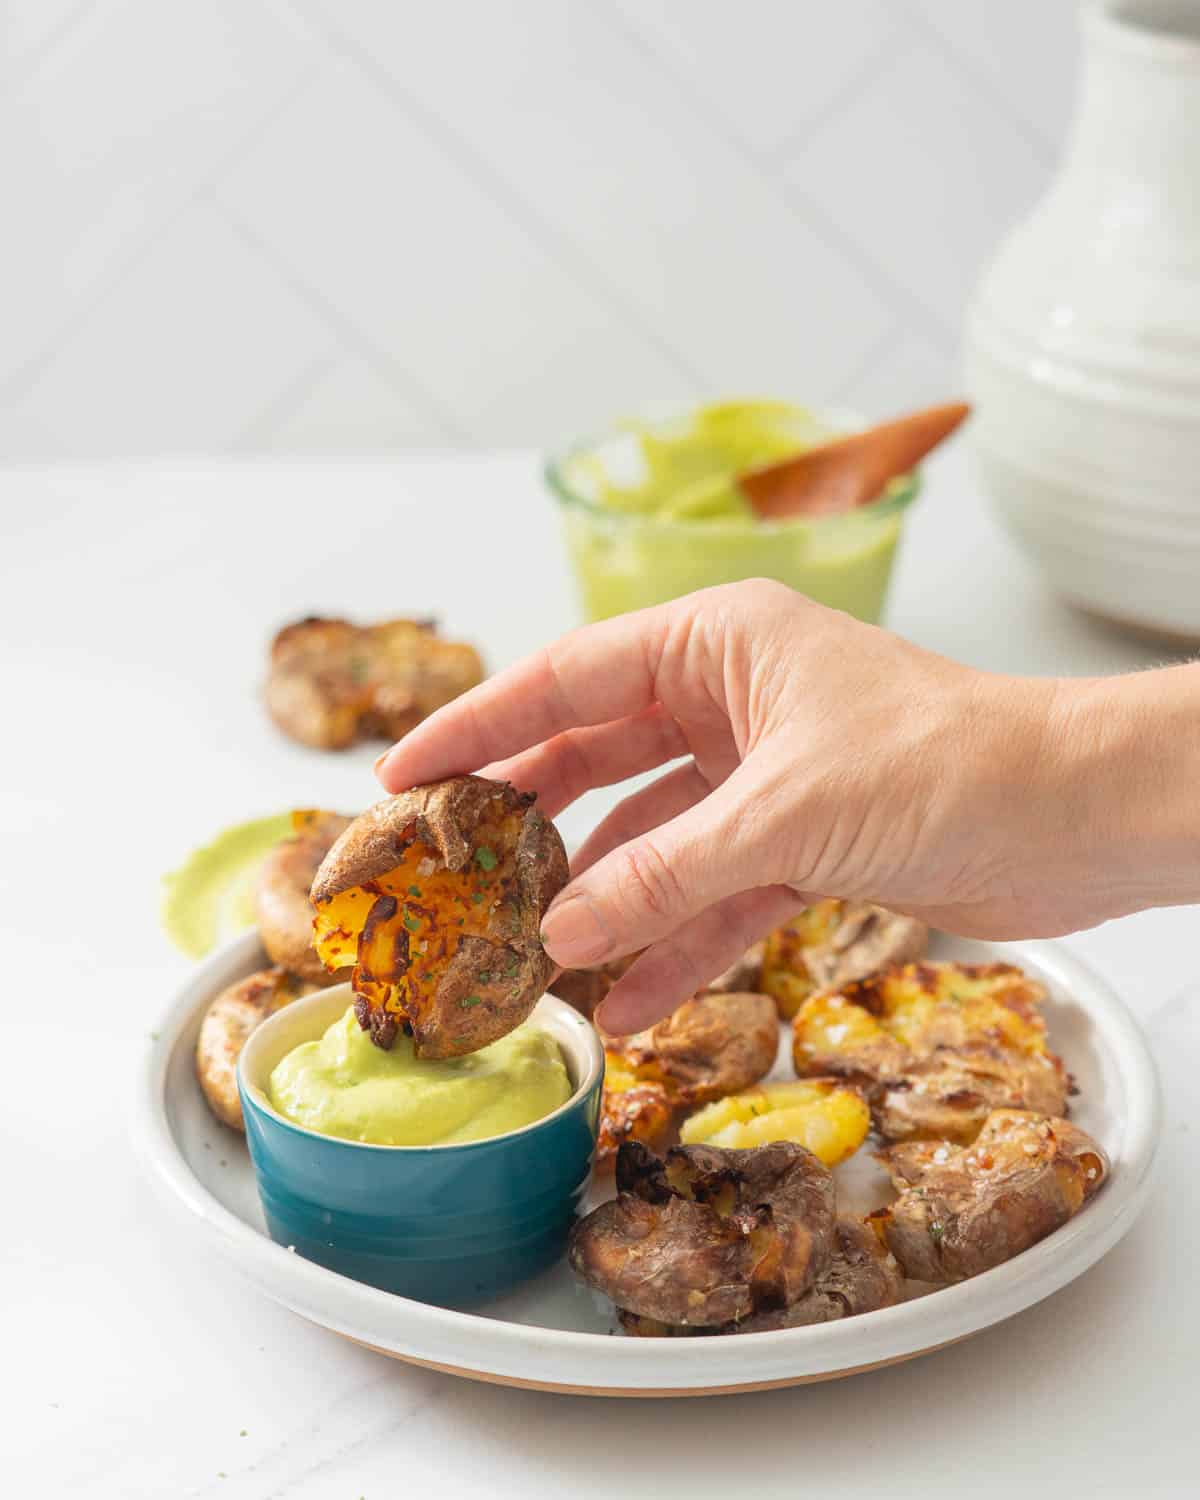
x,y
572,932
382,761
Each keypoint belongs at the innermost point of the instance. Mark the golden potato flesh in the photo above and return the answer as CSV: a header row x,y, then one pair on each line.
x,y
935,1047
631,1109
822,1115
833,943
434,899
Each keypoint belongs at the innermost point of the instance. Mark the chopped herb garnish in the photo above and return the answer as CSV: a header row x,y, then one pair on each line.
x,y
468,1000
513,969
936,1230
485,858
411,922
414,890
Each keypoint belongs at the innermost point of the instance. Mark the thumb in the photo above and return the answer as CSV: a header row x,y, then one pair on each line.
x,y
650,886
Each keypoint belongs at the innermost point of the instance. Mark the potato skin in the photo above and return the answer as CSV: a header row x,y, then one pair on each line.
x,y
862,1276
282,905
963,1210
333,683
834,943
228,1021
710,1046
503,973
585,988
703,1236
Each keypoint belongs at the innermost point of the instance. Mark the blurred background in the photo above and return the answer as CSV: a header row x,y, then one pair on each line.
x,y
303,226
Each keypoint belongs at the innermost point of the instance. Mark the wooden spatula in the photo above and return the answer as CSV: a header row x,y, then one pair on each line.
x,y
849,471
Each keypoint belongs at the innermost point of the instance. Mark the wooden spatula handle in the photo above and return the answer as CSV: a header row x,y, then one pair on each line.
x,y
852,470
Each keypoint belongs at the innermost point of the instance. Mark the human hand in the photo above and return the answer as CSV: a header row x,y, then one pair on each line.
x,y
826,757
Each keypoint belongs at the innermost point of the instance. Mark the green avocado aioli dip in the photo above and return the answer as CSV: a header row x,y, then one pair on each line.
x,y
346,1086
211,896
652,512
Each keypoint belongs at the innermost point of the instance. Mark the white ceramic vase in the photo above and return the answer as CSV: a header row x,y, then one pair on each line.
x,y
1083,340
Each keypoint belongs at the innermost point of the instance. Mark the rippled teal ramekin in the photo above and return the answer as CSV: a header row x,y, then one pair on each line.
x,y
446,1224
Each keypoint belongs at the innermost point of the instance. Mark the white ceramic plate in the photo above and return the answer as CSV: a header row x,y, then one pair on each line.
x,y
556,1335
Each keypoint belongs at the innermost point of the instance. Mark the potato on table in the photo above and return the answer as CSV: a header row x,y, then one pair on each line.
x,y
283,908
935,1047
962,1210
833,943
434,899
711,1045
704,1236
228,1021
820,1114
862,1275
333,683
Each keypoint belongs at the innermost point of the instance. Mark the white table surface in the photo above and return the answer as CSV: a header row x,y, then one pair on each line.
x,y
136,603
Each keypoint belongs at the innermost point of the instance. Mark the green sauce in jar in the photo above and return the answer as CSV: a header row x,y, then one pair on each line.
x,y
652,512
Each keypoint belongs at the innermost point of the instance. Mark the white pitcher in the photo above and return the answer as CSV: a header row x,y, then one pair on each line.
x,y
1083,340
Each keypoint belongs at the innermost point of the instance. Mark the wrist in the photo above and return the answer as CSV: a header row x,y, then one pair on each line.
x,y
1123,761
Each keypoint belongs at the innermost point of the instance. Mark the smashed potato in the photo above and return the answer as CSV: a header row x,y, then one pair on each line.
x,y
228,1021
585,988
820,1114
630,1110
963,1210
434,899
861,1276
831,944
282,906
712,1045
333,683
704,1237
935,1047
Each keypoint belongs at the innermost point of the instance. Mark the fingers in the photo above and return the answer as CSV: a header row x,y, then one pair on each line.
x,y
592,676
656,882
673,970
563,768
657,803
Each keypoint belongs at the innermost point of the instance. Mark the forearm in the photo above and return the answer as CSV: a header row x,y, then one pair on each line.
x,y
1128,773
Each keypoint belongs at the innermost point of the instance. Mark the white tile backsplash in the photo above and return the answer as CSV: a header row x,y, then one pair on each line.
x,y
330,225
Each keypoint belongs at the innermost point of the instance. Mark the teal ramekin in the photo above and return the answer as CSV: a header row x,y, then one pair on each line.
x,y
447,1224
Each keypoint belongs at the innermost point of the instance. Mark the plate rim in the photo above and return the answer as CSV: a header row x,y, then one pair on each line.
x,y
563,1359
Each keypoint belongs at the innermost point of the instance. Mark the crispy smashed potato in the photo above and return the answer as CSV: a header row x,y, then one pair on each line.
x,y
820,1114
333,683
585,988
962,1210
860,1277
281,900
630,1110
935,1047
705,1237
228,1021
712,1045
831,944
434,898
